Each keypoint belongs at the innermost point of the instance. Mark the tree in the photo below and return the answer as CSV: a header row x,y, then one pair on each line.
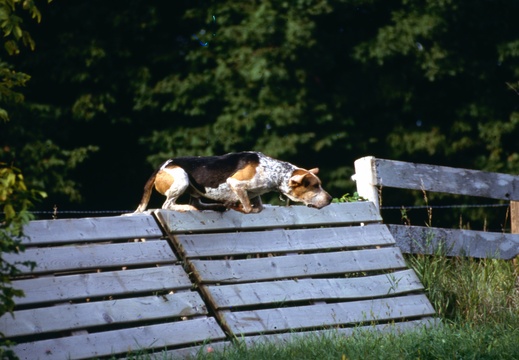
x,y
317,83
15,197
11,24
46,164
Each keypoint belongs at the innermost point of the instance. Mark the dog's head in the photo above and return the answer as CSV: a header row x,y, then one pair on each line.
x,y
304,186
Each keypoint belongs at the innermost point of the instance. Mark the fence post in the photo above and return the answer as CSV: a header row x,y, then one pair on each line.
x,y
366,179
514,217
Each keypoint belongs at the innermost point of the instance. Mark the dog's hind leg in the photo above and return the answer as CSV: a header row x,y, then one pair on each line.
x,y
176,188
200,205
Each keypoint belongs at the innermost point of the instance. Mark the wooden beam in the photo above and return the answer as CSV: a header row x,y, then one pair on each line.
x,y
404,175
365,178
514,216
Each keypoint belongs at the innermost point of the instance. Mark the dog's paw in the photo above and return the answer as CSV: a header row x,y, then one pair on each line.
x,y
182,208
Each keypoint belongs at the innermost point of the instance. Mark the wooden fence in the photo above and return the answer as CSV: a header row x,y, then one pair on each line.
x,y
372,174
178,283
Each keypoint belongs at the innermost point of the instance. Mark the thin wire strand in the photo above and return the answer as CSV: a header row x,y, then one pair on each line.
x,y
410,207
413,207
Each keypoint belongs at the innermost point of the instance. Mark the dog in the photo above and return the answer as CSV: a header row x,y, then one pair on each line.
x,y
233,181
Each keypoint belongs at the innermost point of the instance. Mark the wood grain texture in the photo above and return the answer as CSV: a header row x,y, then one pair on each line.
x,y
90,229
394,328
69,317
279,293
94,256
258,273
122,341
322,315
452,242
271,217
282,267
404,175
278,240
113,283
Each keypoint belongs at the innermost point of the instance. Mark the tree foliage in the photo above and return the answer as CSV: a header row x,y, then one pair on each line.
x,y
15,202
315,82
15,198
14,35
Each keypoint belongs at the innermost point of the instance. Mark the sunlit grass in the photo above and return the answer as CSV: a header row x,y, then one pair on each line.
x,y
476,299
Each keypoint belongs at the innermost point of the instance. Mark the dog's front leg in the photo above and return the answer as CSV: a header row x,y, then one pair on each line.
x,y
239,188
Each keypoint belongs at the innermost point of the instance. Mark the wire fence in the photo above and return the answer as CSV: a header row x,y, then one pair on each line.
x,y
401,207
413,207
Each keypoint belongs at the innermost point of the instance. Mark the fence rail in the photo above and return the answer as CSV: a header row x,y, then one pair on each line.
x,y
372,174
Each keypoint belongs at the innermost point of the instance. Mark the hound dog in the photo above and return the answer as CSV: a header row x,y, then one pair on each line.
x,y
234,181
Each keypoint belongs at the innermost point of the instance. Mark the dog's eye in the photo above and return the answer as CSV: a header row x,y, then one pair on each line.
x,y
316,186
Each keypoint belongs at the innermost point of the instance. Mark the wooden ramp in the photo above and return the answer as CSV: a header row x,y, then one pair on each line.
x,y
103,286
298,270
107,286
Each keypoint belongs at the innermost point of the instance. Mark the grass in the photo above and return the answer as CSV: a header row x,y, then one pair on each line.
x,y
450,342
477,300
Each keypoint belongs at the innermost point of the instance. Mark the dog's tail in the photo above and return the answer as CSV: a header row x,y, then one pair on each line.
x,y
147,192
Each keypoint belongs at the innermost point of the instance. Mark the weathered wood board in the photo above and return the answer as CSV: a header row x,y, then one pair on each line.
x,y
405,175
122,341
138,226
298,266
69,317
301,290
270,218
394,328
103,287
300,274
49,289
94,256
327,315
373,174
99,290
452,242
282,240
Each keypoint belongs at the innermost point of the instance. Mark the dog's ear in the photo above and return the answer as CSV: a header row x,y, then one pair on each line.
x,y
314,170
296,180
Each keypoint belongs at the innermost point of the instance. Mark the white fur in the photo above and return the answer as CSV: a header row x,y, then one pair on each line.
x,y
178,187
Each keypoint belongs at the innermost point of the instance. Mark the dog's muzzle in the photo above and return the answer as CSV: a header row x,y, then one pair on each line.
x,y
320,201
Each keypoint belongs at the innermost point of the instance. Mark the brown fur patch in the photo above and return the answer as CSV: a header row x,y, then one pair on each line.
x,y
163,181
308,186
246,173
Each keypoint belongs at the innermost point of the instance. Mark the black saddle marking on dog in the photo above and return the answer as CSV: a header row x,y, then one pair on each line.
x,y
211,171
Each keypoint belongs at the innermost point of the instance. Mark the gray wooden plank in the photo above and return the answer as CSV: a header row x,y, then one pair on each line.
x,y
281,240
270,217
191,352
270,268
282,292
90,229
72,287
453,242
324,315
69,317
94,256
404,175
122,341
393,327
